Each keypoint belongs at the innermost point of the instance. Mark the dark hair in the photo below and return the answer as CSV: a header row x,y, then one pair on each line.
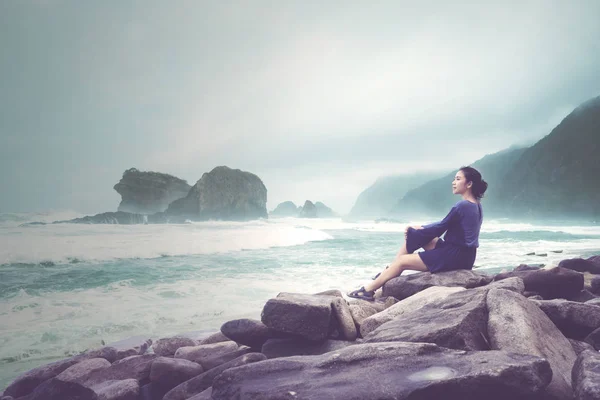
x,y
479,185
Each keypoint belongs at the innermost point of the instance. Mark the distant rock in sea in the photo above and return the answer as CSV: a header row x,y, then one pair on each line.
x,y
149,192
316,210
286,209
117,218
323,211
225,194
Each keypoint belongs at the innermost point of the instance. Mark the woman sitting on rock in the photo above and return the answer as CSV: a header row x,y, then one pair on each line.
x,y
458,248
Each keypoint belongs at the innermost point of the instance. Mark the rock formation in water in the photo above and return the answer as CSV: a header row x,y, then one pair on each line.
x,y
309,210
224,194
286,209
145,192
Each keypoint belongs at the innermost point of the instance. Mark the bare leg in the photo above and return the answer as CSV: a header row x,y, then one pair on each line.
x,y
407,261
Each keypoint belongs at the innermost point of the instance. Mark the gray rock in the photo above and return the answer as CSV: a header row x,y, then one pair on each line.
x,y
410,304
109,218
333,292
56,389
580,265
595,285
203,381
593,339
249,332
525,267
514,284
133,346
360,311
153,391
275,348
215,361
583,296
549,283
309,210
170,372
575,320
458,321
388,371
149,192
27,382
205,395
134,367
586,376
593,302
168,346
406,285
109,353
308,316
343,316
7,398
202,353
286,209
225,194
86,367
535,297
579,346
126,389
516,325
216,337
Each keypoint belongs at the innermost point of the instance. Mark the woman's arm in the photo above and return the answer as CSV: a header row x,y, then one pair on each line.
x,y
438,228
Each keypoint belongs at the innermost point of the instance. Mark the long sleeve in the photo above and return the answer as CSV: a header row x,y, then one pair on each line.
x,y
436,229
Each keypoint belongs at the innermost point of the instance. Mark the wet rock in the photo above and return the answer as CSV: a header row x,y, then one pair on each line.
x,y
27,382
86,367
579,346
275,348
170,372
56,389
516,325
395,371
586,376
550,284
457,321
200,354
250,332
406,285
168,346
126,389
216,337
580,265
304,315
410,304
575,320
203,381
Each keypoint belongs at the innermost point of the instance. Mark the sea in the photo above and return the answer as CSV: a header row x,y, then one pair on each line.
x,y
65,288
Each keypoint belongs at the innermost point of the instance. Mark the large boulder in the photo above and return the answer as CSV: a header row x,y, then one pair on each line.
x,y
134,367
516,325
170,372
246,331
225,194
409,304
202,354
549,283
169,346
406,285
86,367
388,371
586,376
575,320
203,381
458,321
125,389
274,348
149,192
27,382
56,389
580,265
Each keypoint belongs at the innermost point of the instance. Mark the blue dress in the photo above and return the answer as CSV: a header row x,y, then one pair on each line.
x,y
458,249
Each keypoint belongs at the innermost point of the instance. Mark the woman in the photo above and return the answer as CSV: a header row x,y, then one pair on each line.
x,y
458,248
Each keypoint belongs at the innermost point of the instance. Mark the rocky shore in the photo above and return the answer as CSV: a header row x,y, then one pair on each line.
x,y
530,333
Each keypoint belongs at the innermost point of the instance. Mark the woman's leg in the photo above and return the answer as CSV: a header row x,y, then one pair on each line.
x,y
401,263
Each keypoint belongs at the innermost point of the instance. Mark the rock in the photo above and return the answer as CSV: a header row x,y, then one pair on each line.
x,y
593,302
457,321
580,265
205,395
595,285
309,210
27,382
535,297
153,391
286,209
388,371
134,367
409,304
109,218
203,381
77,371
516,325
275,348
360,311
202,353
225,194
170,372
579,346
249,332
168,346
217,337
586,376
583,296
126,389
333,292
341,311
109,353
149,192
514,284
56,389
304,315
593,339
215,361
406,285
323,211
133,346
575,320
525,267
550,284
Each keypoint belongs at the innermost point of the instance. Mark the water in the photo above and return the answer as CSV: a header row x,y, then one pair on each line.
x,y
66,288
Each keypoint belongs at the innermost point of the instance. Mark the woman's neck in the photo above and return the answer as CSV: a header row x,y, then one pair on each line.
x,y
469,197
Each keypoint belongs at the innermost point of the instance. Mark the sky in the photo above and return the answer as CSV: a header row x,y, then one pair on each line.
x,y
318,99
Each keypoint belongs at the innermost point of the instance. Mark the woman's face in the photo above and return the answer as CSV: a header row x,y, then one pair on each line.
x,y
459,184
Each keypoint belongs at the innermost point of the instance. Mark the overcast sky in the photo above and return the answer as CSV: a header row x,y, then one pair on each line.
x,y
316,98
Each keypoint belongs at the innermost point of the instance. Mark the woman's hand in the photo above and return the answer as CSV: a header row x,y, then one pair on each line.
x,y
407,228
